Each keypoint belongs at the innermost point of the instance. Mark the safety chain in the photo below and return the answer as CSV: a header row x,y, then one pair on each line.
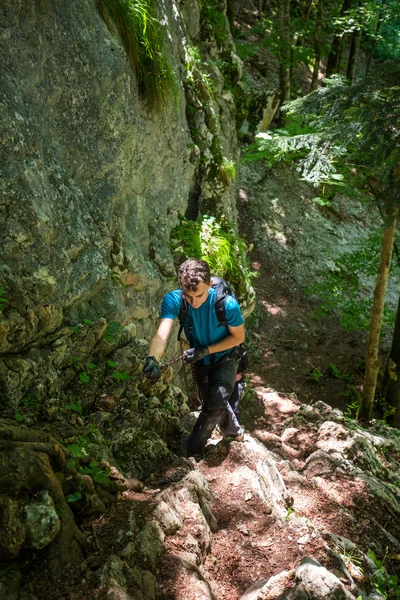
x,y
193,368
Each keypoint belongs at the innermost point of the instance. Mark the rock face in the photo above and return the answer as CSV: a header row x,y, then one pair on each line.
x,y
93,181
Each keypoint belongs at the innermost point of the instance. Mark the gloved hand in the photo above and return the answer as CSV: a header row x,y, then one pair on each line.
x,y
194,354
151,368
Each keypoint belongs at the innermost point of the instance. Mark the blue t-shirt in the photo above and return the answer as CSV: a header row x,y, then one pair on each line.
x,y
206,329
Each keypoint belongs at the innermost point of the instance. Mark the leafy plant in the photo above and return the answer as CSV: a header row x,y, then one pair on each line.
x,y
315,374
3,301
112,329
387,409
98,474
289,513
145,41
387,585
227,171
74,407
10,572
219,246
342,290
116,279
195,69
354,396
73,497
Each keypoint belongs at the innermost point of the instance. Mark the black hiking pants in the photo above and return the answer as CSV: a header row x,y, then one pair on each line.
x,y
216,384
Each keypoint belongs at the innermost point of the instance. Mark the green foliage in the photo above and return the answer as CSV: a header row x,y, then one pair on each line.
x,y
227,171
70,498
76,450
98,474
289,513
74,407
385,584
388,46
10,572
387,409
354,397
334,371
3,301
292,142
112,329
315,374
196,69
144,39
245,50
342,290
219,246
361,119
116,279
213,17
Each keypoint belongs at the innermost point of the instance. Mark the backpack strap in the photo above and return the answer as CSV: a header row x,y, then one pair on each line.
x,y
222,289
183,313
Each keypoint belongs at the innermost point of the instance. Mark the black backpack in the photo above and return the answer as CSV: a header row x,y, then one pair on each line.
x,y
223,289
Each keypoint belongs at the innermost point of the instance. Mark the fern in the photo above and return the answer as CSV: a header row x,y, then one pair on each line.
x,y
144,40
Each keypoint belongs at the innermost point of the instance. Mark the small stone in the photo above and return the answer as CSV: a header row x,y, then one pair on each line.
x,y
304,539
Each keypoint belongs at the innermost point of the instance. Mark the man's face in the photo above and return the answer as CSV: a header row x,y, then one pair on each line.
x,y
197,298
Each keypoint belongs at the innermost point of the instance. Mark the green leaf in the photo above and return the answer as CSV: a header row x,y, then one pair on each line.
x,y
76,450
84,377
88,322
337,176
111,363
321,201
73,497
120,376
91,366
18,417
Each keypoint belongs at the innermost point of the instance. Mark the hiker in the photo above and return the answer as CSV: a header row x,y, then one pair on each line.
x,y
214,350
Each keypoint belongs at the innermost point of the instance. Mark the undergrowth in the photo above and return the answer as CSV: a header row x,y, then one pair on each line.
x,y
220,247
144,40
341,290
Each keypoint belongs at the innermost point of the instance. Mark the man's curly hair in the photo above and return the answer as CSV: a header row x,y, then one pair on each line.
x,y
192,272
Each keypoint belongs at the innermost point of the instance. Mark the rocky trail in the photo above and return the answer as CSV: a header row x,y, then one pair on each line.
x,y
282,515
308,506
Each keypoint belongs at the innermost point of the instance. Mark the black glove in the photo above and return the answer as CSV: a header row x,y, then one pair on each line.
x,y
152,369
194,354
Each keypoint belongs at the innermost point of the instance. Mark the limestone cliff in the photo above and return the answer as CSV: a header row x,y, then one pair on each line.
x,y
93,180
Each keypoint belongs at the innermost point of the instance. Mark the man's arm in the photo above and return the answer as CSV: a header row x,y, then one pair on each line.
x,y
236,336
159,341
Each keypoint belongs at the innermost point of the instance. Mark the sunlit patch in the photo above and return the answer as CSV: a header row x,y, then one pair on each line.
x,y
273,309
256,265
278,209
242,195
277,235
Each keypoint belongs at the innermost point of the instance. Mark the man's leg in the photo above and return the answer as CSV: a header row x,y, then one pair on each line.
x,y
215,393
237,393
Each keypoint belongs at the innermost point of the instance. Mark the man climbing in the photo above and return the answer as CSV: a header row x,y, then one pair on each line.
x,y
213,350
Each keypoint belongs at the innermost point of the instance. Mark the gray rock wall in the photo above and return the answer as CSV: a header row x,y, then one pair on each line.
x,y
92,180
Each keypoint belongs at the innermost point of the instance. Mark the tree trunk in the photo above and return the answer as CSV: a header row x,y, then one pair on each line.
x,y
317,47
285,49
378,26
332,65
230,13
372,363
355,45
305,15
391,378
